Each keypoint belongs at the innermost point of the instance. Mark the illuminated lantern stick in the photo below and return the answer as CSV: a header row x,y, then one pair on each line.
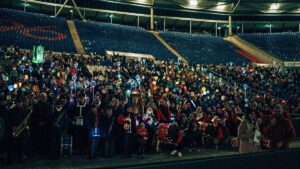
x,y
52,65
210,77
220,81
93,84
72,87
193,103
74,78
139,80
245,86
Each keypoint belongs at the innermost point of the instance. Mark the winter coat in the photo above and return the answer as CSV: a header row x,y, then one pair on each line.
x,y
246,132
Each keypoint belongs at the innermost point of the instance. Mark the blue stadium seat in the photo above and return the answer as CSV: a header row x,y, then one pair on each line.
x,y
27,29
99,37
203,49
285,46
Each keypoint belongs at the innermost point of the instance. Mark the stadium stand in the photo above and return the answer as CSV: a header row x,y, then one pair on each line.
x,y
27,29
283,45
99,37
203,49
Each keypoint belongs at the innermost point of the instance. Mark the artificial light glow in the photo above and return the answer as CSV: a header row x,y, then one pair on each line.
x,y
221,7
142,1
193,2
274,7
26,4
269,25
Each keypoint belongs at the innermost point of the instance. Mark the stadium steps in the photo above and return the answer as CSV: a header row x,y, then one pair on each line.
x,y
75,37
177,54
252,50
248,56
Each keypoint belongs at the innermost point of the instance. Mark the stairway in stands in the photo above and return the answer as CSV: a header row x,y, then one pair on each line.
x,y
248,56
253,51
163,42
75,37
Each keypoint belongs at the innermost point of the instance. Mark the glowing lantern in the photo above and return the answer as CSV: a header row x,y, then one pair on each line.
x,y
167,89
203,89
135,92
154,83
223,98
10,88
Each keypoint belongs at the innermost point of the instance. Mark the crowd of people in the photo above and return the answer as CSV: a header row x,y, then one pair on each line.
x,y
140,106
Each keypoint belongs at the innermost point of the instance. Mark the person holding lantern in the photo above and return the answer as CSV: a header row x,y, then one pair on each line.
x,y
127,120
80,133
92,123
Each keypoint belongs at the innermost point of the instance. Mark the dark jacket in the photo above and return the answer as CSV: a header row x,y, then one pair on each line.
x,y
109,125
283,131
59,119
41,114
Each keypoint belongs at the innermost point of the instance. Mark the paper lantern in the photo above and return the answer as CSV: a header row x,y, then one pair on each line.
x,y
36,89
86,84
128,92
74,77
93,83
223,98
167,89
135,92
5,78
10,87
203,89
30,69
154,83
22,67
62,73
58,74
23,89
26,77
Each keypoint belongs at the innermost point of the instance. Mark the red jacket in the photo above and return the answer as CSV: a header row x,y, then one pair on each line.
x,y
142,135
206,118
161,117
121,119
179,137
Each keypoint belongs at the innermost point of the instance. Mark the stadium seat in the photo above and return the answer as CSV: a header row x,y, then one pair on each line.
x,y
203,49
27,29
99,37
285,46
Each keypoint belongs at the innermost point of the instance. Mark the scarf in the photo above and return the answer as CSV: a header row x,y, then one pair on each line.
x,y
95,113
80,108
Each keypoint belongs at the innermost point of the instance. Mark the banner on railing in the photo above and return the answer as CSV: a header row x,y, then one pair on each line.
x,y
129,55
